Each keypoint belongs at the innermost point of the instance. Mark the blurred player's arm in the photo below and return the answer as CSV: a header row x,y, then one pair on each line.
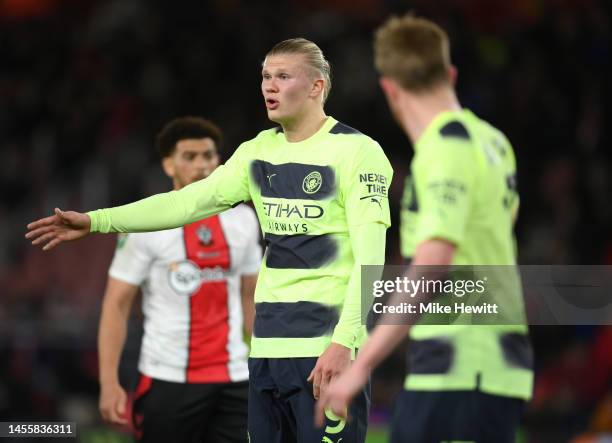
x,y
384,338
116,306
225,187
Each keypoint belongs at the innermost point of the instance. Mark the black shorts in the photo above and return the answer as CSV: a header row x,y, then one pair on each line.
x,y
281,405
190,412
455,416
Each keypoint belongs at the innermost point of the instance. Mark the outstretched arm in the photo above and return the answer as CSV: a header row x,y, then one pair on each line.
x,y
226,186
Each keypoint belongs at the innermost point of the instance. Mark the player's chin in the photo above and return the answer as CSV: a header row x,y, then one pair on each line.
x,y
198,178
275,116
192,180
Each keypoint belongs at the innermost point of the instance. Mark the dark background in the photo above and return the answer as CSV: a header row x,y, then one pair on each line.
x,y
85,86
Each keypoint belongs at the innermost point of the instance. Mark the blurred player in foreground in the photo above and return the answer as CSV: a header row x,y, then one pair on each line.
x,y
466,382
320,191
198,283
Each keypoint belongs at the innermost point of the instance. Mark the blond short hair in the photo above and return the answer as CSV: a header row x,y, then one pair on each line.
x,y
413,51
313,55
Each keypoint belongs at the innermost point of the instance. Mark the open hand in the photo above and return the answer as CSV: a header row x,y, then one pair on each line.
x,y
62,226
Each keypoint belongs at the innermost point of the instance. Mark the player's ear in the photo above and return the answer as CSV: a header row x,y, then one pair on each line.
x,y
317,88
168,166
390,88
452,75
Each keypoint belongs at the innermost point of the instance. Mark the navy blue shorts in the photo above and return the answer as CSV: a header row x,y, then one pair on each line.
x,y
281,405
455,416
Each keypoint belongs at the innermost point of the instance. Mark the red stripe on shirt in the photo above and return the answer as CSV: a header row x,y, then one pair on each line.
x,y
206,246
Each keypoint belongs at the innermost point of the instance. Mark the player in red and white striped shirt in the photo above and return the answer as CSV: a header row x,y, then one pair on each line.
x,y
197,284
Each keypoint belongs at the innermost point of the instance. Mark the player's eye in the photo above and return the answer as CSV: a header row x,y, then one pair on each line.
x,y
283,76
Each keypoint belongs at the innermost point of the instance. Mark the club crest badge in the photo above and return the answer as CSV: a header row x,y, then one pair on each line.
x,y
312,182
204,235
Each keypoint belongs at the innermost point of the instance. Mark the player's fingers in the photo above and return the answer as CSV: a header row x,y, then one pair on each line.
x,y
311,376
113,417
325,381
108,411
319,413
120,406
121,421
42,222
316,384
104,413
119,418
44,238
67,217
62,216
52,244
340,409
39,231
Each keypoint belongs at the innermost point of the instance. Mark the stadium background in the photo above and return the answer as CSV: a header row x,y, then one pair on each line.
x,y
85,85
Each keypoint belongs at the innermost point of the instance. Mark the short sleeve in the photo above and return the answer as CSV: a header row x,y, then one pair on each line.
x,y
132,259
444,182
366,186
252,258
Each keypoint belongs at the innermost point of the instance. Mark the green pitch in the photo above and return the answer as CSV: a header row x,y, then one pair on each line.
x,y
377,434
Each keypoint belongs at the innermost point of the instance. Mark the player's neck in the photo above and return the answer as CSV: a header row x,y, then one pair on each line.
x,y
420,110
176,185
304,127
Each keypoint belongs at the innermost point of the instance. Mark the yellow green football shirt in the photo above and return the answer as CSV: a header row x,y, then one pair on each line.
x,y
308,196
462,188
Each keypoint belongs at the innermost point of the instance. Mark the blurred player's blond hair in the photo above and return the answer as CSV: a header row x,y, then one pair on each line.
x,y
414,52
312,54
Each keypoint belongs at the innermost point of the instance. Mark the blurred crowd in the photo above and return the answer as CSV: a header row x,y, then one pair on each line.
x,y
85,86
